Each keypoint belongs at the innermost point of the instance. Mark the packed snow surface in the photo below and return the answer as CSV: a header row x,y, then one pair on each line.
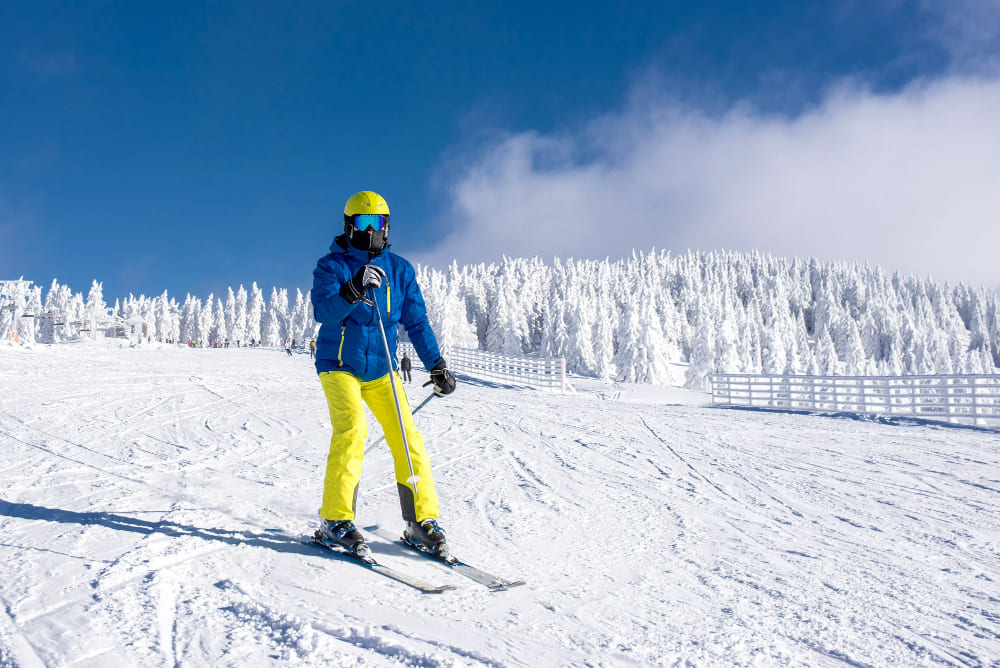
x,y
154,501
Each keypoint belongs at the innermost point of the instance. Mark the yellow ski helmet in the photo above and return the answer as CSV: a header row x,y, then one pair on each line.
x,y
365,201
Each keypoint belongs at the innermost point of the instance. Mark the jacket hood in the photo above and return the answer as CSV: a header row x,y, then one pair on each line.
x,y
340,243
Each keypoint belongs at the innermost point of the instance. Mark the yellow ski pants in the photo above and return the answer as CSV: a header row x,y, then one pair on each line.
x,y
344,394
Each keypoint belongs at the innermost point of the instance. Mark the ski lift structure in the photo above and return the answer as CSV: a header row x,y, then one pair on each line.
x,y
136,328
48,326
14,297
15,291
49,323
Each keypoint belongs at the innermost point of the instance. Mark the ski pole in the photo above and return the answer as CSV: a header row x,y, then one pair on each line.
x,y
413,479
413,412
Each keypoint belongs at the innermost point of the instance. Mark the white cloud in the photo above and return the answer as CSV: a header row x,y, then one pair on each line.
x,y
909,181
968,30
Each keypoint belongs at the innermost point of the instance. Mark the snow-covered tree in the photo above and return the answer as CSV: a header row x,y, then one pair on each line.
x,y
188,325
96,312
273,331
255,313
239,330
205,321
217,331
298,318
702,362
645,354
168,326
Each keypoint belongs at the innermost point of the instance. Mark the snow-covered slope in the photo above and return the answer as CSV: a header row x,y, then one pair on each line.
x,y
153,501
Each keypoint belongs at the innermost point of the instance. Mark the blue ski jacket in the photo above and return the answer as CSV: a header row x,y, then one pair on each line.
x,y
349,338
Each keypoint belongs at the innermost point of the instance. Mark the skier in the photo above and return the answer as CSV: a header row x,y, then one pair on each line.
x,y
405,366
351,363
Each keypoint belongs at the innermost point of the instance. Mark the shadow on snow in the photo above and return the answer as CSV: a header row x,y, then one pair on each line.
x,y
272,541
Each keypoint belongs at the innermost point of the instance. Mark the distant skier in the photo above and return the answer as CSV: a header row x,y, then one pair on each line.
x,y
352,367
312,349
405,365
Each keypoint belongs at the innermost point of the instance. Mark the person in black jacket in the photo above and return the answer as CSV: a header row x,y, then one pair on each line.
x,y
404,366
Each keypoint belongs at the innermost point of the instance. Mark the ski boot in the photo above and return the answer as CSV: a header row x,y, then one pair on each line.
x,y
344,534
427,536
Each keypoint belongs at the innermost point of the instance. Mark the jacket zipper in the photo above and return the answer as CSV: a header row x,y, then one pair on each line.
x,y
340,350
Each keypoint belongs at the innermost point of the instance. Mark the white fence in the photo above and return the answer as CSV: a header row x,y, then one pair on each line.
x,y
543,374
963,399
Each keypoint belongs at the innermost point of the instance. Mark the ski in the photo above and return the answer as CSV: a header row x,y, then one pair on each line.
x,y
490,581
372,565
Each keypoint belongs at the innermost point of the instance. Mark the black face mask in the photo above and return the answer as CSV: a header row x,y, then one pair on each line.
x,y
373,242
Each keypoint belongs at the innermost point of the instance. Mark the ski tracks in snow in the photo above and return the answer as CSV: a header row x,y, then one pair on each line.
x,y
780,531
133,513
826,520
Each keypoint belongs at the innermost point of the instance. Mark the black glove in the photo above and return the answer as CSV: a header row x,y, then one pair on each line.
x,y
368,276
444,382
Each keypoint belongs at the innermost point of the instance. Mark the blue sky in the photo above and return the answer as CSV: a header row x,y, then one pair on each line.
x,y
187,147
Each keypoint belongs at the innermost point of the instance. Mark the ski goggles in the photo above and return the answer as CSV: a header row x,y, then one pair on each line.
x,y
370,221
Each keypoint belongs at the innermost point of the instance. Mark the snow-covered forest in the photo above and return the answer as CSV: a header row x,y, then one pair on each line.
x,y
243,316
630,320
